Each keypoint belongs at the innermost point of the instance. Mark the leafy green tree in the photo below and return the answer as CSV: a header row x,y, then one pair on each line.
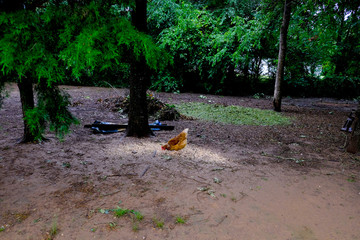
x,y
62,40
314,46
216,45
338,31
103,40
27,56
322,35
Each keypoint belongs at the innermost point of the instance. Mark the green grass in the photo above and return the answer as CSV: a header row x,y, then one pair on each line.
x,y
158,223
138,215
53,230
135,226
232,114
119,212
180,220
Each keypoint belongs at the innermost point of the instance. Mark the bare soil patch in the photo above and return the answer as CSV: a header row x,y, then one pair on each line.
x,y
230,182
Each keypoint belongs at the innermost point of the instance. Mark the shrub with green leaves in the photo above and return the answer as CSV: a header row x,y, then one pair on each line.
x,y
208,45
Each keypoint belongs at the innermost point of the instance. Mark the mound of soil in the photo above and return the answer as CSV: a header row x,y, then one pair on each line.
x,y
156,108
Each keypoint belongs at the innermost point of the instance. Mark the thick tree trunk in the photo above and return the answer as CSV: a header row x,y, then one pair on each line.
x,y
139,18
138,114
27,102
140,81
281,58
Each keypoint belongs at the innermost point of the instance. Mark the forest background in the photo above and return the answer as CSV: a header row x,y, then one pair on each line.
x,y
210,46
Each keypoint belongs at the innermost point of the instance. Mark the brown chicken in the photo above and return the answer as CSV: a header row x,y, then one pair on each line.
x,y
178,142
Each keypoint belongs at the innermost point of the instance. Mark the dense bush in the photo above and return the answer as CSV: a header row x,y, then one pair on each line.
x,y
219,47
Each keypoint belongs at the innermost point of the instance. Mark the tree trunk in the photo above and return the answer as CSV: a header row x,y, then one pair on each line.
x,y
27,102
24,85
138,115
139,18
140,81
353,145
339,59
281,58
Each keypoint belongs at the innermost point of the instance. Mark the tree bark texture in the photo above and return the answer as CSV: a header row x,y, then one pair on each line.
x,y
139,18
27,102
138,114
353,145
281,58
140,81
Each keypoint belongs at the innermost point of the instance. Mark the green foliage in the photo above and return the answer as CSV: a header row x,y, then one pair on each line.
x,y
189,41
52,109
220,46
25,48
68,42
119,212
208,46
215,46
53,230
337,86
36,119
138,215
159,223
164,81
180,220
54,102
105,43
162,15
232,114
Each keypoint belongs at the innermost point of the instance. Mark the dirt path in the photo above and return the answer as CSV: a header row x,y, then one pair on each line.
x,y
230,182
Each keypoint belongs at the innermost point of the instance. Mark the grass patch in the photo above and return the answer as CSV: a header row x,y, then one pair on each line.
x,y
119,212
180,220
232,114
138,215
158,223
135,226
53,231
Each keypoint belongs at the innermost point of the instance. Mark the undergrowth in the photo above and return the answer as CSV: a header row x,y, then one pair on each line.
x,y
232,114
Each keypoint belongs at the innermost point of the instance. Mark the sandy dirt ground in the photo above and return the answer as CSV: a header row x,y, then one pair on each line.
x,y
292,182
